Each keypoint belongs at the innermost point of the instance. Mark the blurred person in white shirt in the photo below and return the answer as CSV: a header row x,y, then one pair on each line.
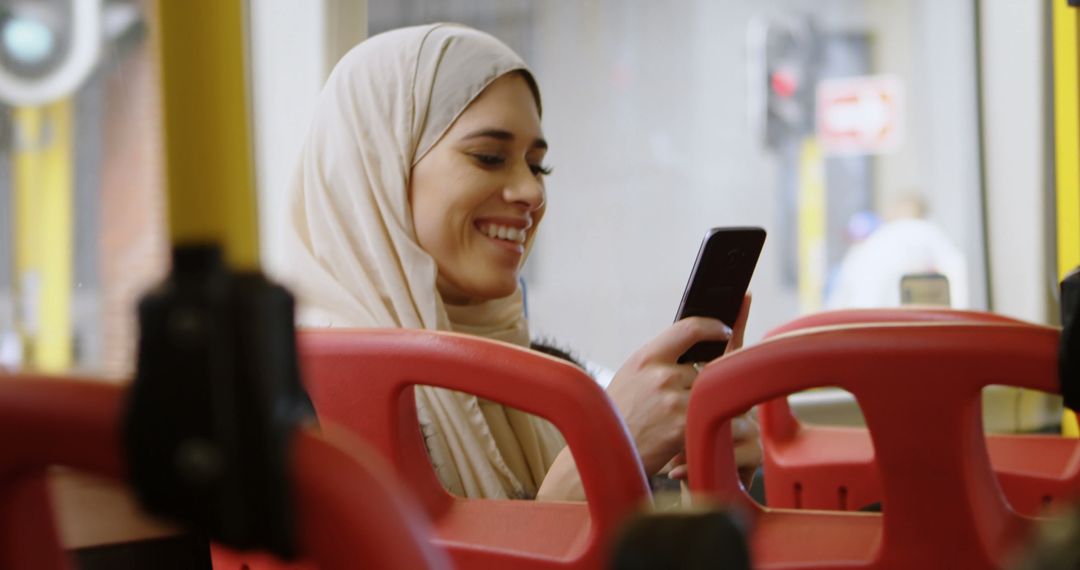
x,y
907,243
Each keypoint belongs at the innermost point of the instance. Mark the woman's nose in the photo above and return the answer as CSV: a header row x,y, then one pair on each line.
x,y
526,189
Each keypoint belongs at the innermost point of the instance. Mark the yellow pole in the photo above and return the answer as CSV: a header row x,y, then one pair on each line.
x,y
1067,148
42,195
811,226
208,155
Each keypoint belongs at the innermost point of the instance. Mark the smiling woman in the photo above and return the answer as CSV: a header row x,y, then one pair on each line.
x,y
418,195
416,148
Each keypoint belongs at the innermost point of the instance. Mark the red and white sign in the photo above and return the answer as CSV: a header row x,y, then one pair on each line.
x,y
860,115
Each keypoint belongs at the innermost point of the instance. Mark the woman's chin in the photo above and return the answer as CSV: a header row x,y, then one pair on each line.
x,y
476,293
496,292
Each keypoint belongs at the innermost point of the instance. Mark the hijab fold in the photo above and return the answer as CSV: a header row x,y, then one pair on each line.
x,y
351,252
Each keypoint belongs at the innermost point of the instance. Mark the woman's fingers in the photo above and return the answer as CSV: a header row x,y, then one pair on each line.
x,y
651,391
747,441
677,466
679,472
748,454
679,337
744,427
686,374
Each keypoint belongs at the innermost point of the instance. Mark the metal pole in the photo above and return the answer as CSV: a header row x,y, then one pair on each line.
x,y
42,184
1067,149
208,157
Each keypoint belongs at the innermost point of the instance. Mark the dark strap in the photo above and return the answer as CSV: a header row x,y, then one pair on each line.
x,y
1069,358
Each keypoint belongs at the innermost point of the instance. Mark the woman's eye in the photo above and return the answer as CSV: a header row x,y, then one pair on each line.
x,y
489,159
540,169
496,161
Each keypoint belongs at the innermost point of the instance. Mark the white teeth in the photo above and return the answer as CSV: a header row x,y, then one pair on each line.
x,y
504,233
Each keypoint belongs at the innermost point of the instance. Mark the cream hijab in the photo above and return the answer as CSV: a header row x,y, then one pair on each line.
x,y
351,252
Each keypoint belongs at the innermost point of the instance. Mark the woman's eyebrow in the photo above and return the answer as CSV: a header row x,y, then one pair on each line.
x,y
502,135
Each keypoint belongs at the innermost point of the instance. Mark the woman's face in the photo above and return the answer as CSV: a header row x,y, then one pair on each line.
x,y
478,194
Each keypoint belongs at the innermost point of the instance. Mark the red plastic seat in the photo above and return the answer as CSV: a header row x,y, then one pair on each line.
x,y
919,388
822,467
363,379
350,514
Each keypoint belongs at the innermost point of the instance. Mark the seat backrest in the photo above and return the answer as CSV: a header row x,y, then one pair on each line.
x,y
919,388
363,379
888,315
777,420
350,513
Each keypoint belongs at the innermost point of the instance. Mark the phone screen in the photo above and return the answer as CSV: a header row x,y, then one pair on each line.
x,y
719,281
924,289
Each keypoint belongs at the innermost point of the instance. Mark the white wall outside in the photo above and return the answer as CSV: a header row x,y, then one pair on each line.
x,y
1014,101
294,44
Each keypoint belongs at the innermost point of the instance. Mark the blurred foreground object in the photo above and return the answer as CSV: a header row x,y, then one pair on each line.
x,y
215,403
695,539
211,421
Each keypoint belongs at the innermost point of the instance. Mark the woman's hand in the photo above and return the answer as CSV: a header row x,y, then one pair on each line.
x,y
651,391
746,440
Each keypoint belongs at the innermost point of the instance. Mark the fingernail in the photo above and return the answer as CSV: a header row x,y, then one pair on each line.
x,y
727,330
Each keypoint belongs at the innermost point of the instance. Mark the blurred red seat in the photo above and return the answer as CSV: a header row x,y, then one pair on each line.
x,y
823,467
919,388
350,513
363,379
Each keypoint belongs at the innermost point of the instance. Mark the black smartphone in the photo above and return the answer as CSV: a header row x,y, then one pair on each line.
x,y
718,283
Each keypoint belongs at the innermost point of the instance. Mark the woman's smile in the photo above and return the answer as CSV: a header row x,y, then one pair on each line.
x,y
509,234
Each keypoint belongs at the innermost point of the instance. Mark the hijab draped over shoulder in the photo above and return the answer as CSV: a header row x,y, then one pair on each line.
x,y
352,256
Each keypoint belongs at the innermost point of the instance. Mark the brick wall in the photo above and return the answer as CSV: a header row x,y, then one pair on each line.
x,y
134,242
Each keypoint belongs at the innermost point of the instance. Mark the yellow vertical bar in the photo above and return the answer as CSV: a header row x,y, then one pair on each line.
x,y
811,226
27,130
43,183
1067,135
1067,148
54,351
27,124
207,147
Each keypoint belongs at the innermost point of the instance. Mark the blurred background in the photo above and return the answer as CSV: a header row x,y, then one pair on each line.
x,y
871,138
